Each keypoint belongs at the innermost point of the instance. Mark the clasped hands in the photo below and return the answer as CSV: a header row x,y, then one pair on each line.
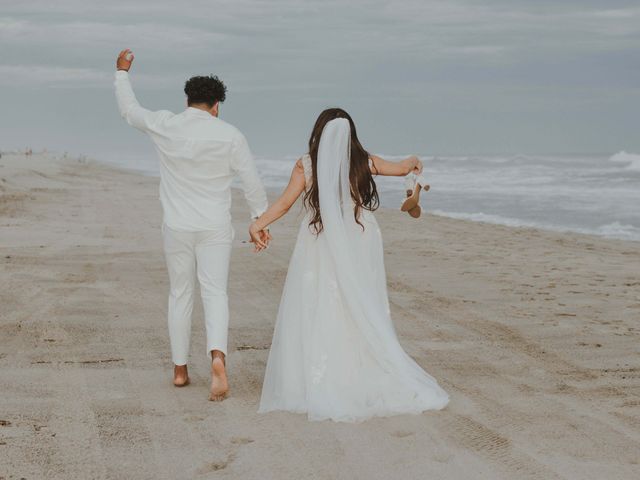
x,y
259,237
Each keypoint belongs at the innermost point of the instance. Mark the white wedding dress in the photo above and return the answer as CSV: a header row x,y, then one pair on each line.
x,y
335,354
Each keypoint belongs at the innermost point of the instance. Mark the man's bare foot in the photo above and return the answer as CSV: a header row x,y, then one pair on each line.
x,y
180,376
219,384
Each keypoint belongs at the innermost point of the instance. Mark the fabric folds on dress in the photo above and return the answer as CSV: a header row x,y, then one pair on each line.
x,y
335,354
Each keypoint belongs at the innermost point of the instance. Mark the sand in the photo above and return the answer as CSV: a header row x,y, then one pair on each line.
x,y
534,334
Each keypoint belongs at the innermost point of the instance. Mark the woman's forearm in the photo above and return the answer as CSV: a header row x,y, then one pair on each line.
x,y
396,169
287,199
273,213
409,165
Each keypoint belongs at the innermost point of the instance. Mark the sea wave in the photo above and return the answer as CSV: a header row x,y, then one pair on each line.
x,y
596,194
616,230
631,159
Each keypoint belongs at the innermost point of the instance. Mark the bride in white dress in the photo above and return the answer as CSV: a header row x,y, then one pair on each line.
x,y
335,354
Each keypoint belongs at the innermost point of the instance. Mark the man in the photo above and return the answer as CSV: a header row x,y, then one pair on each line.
x,y
199,157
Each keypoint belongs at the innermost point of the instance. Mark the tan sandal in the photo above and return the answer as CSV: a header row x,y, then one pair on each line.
x,y
413,199
416,211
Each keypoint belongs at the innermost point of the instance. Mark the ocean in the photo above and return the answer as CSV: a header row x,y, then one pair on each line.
x,y
592,194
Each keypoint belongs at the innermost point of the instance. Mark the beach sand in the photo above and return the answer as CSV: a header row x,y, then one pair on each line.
x,y
534,334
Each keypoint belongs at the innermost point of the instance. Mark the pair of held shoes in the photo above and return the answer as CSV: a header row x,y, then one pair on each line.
x,y
413,187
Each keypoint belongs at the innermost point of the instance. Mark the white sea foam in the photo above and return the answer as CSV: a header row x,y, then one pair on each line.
x,y
619,230
631,160
487,218
610,230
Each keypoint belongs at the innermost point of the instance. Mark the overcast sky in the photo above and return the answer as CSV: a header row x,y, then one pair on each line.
x,y
418,76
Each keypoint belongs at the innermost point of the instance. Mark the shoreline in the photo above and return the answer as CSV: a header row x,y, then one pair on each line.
x,y
617,230
533,334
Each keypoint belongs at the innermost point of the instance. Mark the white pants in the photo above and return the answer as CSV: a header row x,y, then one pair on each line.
x,y
204,255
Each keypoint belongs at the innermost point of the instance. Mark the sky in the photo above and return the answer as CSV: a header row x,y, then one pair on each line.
x,y
418,76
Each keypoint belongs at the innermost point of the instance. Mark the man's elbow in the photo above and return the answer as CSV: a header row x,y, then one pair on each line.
x,y
123,110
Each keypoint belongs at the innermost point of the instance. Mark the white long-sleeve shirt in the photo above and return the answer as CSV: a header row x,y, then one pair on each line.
x,y
199,157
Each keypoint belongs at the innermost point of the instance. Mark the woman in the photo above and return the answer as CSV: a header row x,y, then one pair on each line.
x,y
335,354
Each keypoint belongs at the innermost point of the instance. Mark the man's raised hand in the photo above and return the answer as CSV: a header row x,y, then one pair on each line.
x,y
125,59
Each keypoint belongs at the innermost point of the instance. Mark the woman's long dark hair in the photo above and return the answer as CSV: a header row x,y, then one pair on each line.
x,y
363,189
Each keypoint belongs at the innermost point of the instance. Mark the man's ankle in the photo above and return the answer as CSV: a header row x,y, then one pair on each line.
x,y
218,354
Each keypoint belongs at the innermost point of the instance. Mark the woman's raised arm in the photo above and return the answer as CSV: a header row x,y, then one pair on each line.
x,y
404,167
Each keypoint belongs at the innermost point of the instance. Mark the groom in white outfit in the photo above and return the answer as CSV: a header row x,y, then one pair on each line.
x,y
199,157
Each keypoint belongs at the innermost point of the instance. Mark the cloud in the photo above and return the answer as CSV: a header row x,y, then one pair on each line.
x,y
390,56
93,34
70,77
43,75
430,28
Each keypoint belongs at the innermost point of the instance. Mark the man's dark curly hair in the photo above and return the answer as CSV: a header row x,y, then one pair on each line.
x,y
205,89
